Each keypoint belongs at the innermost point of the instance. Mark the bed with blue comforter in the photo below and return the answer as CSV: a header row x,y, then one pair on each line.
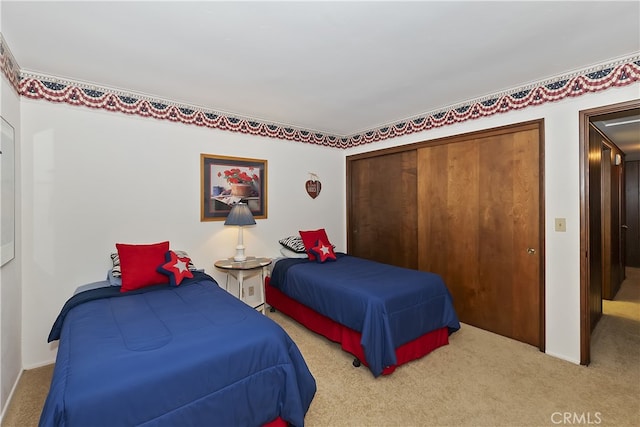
x,y
191,355
389,306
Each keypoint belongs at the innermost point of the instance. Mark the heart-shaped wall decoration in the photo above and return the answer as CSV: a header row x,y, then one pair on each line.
x,y
313,188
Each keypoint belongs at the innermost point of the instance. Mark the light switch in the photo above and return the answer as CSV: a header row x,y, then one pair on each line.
x,y
561,224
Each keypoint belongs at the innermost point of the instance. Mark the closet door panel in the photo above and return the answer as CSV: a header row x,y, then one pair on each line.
x,y
528,306
479,227
382,214
448,218
496,232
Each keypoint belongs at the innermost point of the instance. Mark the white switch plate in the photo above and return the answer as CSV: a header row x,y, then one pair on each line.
x,y
561,224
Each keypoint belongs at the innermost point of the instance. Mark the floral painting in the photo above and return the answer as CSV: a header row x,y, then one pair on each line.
x,y
226,181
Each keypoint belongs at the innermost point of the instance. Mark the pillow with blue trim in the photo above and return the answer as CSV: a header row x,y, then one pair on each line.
x,y
310,239
176,268
323,252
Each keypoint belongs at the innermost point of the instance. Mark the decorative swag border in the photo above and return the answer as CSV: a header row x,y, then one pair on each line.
x,y
595,79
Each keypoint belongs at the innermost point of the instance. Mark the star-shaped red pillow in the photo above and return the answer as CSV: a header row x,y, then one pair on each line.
x,y
176,268
323,252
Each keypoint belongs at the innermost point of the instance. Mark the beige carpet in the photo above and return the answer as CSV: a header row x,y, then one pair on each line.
x,y
479,379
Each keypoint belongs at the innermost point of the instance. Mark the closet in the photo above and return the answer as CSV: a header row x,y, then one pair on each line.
x,y
469,208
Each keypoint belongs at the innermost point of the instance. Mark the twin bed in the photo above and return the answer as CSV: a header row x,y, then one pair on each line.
x,y
187,355
384,315
190,354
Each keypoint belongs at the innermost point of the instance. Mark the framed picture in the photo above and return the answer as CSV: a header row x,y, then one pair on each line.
x,y
226,181
7,170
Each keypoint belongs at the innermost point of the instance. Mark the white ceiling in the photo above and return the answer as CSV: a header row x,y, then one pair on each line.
x,y
335,67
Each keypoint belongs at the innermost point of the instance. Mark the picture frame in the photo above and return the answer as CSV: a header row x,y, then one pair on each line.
x,y
225,181
7,203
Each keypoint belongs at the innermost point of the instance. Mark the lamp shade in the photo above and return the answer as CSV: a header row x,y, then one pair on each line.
x,y
240,214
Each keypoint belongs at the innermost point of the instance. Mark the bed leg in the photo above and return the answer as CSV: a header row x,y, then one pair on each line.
x,y
356,362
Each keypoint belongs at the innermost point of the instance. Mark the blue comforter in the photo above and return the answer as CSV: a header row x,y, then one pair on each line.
x,y
388,305
191,355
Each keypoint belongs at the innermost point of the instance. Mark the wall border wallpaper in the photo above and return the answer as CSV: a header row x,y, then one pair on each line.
x,y
595,79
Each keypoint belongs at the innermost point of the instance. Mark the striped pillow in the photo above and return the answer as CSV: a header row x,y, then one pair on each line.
x,y
115,259
293,243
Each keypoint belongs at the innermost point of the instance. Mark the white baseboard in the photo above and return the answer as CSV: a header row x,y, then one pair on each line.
x,y
563,357
13,390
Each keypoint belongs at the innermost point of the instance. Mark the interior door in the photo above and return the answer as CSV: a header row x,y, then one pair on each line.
x,y
595,227
631,225
479,227
606,217
617,216
611,202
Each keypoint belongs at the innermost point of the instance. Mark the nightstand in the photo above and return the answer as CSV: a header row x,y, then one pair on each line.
x,y
241,270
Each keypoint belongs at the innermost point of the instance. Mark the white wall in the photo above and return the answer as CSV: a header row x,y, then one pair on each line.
x,y
562,200
93,178
10,279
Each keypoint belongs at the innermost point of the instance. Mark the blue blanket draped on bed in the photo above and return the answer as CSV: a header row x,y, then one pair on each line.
x,y
191,355
388,305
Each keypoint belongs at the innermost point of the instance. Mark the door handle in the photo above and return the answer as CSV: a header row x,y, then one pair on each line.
x,y
624,226
531,251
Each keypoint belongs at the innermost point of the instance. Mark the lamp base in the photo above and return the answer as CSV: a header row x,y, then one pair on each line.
x,y
240,256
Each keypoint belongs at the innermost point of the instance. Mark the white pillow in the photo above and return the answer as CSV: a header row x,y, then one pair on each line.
x,y
288,253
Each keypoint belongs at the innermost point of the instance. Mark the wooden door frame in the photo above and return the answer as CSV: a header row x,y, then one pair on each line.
x,y
585,314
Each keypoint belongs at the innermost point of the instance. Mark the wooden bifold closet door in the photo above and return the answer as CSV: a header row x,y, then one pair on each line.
x,y
479,227
468,208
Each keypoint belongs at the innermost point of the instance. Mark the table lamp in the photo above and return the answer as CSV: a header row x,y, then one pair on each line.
x,y
240,215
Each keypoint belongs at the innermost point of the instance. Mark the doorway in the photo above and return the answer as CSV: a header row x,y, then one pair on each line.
x,y
595,196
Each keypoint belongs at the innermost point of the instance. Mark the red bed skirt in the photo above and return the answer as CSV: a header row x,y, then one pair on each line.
x,y
348,338
278,422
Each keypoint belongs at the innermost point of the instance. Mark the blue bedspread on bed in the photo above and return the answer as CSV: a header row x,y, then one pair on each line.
x,y
192,355
388,305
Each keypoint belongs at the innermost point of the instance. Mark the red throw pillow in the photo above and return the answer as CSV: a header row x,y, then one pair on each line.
x,y
138,264
323,252
311,237
176,268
